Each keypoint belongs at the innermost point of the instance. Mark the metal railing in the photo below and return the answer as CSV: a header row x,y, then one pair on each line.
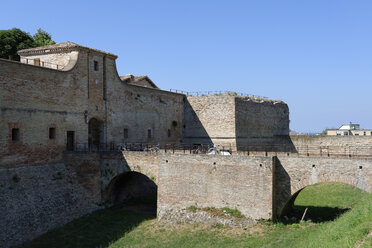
x,y
206,93
249,150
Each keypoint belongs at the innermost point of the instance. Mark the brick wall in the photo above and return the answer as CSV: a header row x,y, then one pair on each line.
x,y
39,198
293,174
235,121
34,99
240,182
333,145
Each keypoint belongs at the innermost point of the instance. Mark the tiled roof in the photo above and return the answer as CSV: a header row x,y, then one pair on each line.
x,y
59,47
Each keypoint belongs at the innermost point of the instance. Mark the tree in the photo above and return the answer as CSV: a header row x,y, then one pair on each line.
x,y
42,38
13,40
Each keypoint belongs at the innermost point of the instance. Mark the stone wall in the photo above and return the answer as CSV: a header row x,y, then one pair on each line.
x,y
236,121
34,99
293,174
333,145
240,182
36,199
263,120
210,119
139,109
260,118
60,61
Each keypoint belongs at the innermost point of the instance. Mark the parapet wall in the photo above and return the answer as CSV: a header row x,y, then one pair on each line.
x,y
343,146
240,182
292,174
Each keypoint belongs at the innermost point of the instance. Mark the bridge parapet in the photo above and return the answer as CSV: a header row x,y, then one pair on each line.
x,y
293,174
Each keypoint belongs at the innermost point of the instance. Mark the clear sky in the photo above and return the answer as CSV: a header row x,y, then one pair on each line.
x,y
314,55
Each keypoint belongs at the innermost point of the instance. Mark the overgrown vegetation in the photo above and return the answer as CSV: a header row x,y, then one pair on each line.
x,y
118,227
223,212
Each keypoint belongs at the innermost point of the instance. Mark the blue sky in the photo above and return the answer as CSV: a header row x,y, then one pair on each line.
x,y
314,55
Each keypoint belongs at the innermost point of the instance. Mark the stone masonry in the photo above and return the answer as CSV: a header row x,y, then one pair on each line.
x,y
64,106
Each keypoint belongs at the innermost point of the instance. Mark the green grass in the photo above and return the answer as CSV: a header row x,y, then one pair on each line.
x,y
98,229
233,212
117,227
221,212
326,201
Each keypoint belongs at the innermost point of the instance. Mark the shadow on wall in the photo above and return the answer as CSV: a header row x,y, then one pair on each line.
x,y
133,191
193,130
262,126
276,143
281,189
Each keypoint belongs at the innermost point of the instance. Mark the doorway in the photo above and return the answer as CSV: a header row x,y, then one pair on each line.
x,y
95,134
70,146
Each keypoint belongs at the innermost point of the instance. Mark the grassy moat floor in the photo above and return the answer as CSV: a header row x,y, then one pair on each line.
x,y
341,216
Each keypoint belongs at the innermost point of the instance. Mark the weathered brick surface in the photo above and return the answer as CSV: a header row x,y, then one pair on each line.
x,y
36,199
235,121
237,182
293,174
60,60
59,187
333,145
36,98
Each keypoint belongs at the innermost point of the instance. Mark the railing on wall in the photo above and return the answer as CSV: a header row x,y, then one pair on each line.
x,y
206,93
228,149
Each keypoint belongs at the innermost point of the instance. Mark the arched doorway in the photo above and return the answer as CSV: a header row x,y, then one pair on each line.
x,y
95,134
321,202
133,190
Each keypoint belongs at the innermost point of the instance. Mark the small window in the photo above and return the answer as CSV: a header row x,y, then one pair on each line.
x,y
126,134
15,134
169,132
37,61
149,133
52,133
95,65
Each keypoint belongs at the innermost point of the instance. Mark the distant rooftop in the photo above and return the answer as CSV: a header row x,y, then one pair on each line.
x,y
130,79
60,47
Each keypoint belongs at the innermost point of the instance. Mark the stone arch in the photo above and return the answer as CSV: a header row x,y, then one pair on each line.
x,y
131,187
293,174
289,203
95,134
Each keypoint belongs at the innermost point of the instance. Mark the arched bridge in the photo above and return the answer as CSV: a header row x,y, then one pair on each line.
x,y
258,186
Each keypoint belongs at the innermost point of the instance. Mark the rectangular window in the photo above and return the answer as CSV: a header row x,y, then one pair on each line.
x,y
169,132
52,133
149,133
37,61
15,134
95,65
126,134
